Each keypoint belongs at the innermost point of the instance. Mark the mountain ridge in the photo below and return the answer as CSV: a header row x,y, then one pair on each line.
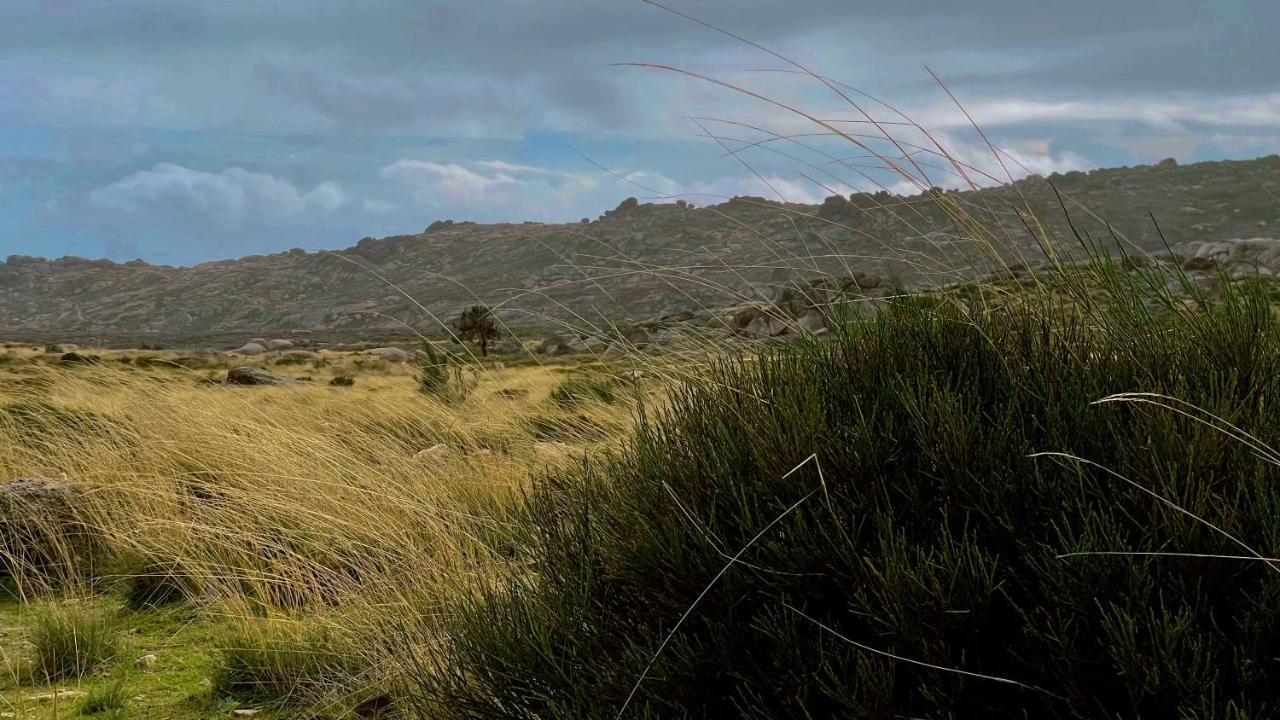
x,y
633,262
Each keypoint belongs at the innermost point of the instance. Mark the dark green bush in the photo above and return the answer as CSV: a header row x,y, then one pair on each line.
x,y
441,376
916,529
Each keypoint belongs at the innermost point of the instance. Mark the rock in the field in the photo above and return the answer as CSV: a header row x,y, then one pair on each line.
x,y
252,376
147,661
39,528
614,350
279,344
439,451
812,322
245,712
767,326
638,337
554,345
250,348
75,358
744,317
390,354
63,348
595,345
507,347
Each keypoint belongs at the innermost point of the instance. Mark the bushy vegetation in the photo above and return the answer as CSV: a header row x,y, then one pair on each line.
x,y
883,527
441,376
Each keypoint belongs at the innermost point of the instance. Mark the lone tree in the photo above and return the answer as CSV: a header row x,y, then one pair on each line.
x,y
477,323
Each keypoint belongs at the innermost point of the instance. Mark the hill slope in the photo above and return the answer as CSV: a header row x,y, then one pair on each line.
x,y
632,263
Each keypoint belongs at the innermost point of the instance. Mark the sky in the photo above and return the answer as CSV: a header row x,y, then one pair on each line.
x,y
180,131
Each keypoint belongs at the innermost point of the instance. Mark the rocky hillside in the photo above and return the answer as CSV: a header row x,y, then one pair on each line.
x,y
635,262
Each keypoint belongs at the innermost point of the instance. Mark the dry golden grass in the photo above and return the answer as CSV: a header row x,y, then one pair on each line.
x,y
324,526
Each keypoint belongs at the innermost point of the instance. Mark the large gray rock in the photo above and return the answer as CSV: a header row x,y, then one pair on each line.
x,y
40,531
280,344
250,348
767,326
812,322
507,347
253,376
390,354
638,337
556,345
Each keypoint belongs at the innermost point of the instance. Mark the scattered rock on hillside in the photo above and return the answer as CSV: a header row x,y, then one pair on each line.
x,y
391,354
38,524
75,358
250,348
253,376
507,347
767,326
812,322
555,345
280,344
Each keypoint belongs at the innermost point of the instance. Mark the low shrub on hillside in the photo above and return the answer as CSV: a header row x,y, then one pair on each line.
x,y
442,377
867,528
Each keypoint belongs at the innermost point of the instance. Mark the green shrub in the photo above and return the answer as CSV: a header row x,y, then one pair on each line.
x,y
895,529
70,640
441,377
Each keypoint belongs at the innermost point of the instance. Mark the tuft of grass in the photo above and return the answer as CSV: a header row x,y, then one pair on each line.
x,y
293,661
108,697
584,389
69,640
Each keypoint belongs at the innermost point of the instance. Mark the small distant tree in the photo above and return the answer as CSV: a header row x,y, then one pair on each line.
x,y
477,323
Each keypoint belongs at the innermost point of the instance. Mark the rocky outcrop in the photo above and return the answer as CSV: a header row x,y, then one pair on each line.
x,y
253,376
40,531
391,354
542,274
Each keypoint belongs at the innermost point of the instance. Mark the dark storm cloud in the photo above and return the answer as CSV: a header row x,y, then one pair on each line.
x,y
375,66
247,125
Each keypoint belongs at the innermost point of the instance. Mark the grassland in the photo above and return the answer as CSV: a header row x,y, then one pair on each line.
x,y
275,548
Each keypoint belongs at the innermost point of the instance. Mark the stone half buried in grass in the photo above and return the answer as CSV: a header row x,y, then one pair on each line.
x,y
254,376
40,532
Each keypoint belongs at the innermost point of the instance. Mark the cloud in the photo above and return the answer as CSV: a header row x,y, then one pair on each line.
x,y
230,198
1243,110
494,188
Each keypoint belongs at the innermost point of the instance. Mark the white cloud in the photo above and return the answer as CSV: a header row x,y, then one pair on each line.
x,y
493,188
1243,110
432,182
230,198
